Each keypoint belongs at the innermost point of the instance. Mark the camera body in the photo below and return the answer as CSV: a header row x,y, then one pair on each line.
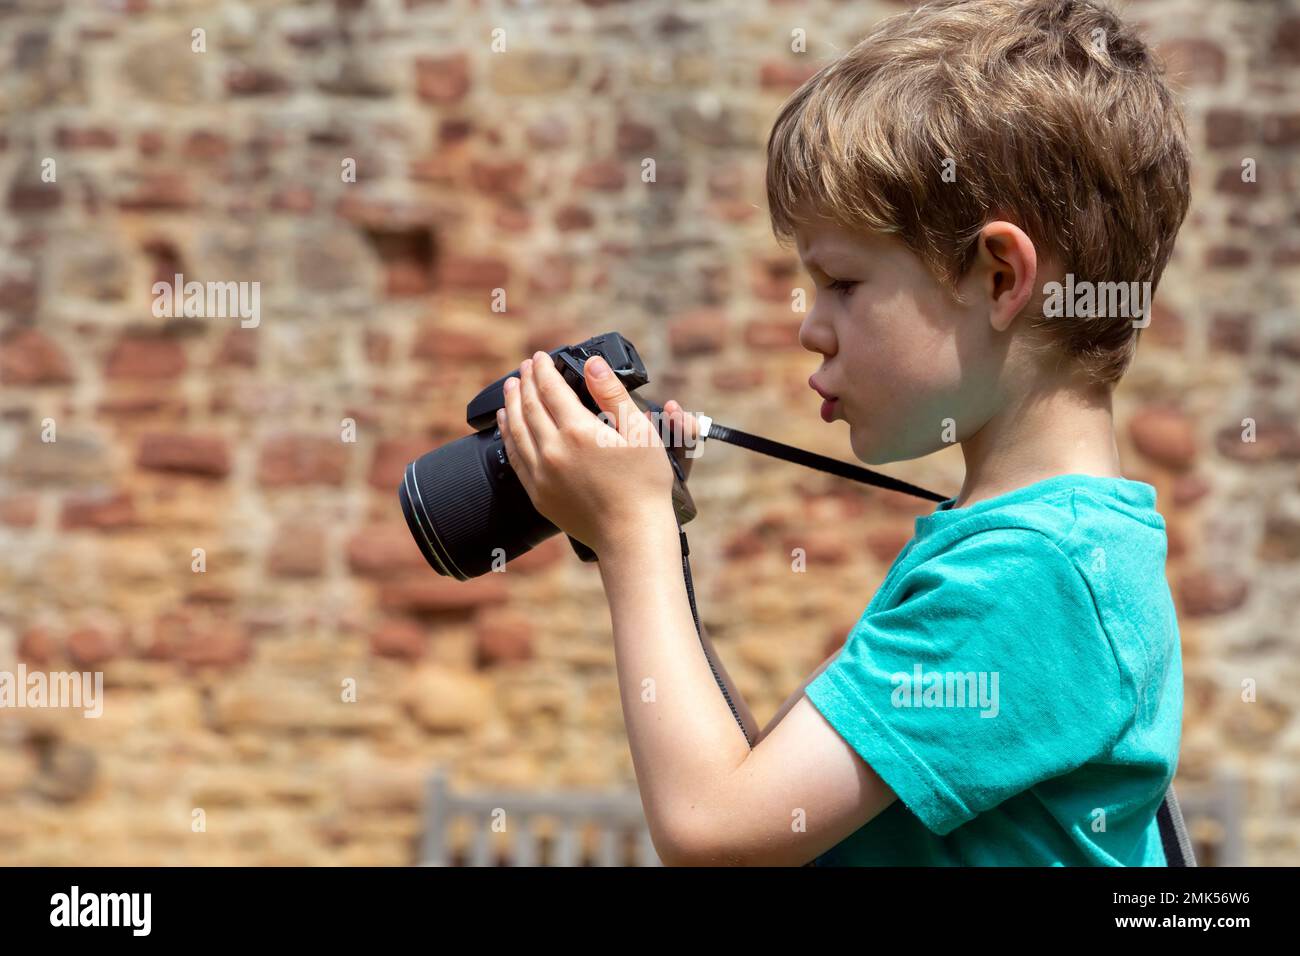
x,y
463,503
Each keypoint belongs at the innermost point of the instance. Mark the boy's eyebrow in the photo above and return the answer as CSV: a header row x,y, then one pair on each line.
x,y
811,262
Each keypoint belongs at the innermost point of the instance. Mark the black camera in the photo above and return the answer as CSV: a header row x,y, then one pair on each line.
x,y
464,505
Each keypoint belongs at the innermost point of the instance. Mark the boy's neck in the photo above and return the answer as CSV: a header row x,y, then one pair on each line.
x,y
1063,431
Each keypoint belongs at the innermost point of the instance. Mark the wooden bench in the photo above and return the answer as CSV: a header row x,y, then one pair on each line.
x,y
621,837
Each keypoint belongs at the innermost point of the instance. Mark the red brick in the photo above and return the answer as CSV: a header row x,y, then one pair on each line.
x,y
774,277
179,637
391,458
244,79
378,346
85,137
512,219
742,379
541,557
1227,127
142,405
502,637
1230,182
381,551
886,542
604,175
145,357
570,218
745,543
205,145
1206,593
150,142
1164,436
98,512
37,646
292,460
203,455
431,594
700,332
1194,62
90,646
294,199
1226,257
19,511
439,344
158,192
1274,439
1231,332
32,195
297,552
499,179
785,76
772,334
1285,47
1189,489
819,547
473,273
18,295
635,138
403,640
442,80
238,348
1282,129
29,357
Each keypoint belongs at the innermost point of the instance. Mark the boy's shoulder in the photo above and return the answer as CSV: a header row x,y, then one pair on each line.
x,y
1092,521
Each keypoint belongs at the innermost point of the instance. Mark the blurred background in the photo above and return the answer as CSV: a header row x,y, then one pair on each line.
x,y
282,671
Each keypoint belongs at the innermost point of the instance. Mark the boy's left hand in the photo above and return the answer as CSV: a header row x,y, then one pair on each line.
x,y
599,484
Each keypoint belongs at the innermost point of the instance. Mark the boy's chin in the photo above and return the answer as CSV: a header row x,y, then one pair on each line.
x,y
880,450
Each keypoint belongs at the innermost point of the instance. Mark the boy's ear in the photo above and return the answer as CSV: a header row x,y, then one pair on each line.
x,y
1009,264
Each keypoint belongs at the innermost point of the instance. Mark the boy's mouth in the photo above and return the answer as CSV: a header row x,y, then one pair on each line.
x,y
828,400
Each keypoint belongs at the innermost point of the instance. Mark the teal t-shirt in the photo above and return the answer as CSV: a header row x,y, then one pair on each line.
x,y
1017,680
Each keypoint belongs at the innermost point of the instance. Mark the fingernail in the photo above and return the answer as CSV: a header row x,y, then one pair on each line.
x,y
511,383
599,367
539,357
501,416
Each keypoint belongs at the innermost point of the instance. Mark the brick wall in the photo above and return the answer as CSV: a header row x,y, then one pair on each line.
x,y
517,169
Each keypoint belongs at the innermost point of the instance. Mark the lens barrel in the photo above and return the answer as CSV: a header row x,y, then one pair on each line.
x,y
466,508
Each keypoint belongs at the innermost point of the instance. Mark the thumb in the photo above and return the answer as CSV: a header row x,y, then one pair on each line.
x,y
613,398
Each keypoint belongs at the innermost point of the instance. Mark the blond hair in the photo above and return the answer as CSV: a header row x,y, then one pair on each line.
x,y
1052,114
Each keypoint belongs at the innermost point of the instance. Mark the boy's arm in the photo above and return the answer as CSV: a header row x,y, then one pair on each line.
x,y
708,798
752,732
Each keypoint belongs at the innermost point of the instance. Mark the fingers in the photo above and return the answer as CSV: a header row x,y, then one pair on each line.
x,y
520,448
689,424
540,424
560,401
614,400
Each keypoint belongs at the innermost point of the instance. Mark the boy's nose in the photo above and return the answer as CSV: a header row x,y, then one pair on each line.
x,y
816,335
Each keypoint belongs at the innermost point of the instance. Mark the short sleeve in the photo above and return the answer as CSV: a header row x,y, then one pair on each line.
x,y
986,672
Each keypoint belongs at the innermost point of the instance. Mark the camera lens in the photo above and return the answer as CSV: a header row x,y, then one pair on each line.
x,y
466,508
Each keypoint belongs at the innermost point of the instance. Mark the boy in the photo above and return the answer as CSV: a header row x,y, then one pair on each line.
x,y
1013,693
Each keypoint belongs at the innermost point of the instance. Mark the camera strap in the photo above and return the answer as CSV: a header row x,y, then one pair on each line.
x,y
709,429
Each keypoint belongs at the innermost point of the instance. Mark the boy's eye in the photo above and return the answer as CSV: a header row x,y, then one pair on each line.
x,y
842,286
